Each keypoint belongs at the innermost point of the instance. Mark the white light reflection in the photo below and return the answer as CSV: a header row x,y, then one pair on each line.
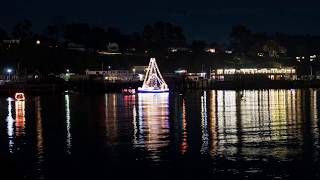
x,y
153,115
15,127
204,124
10,123
184,146
68,123
135,126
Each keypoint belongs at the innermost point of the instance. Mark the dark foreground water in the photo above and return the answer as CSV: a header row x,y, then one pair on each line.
x,y
265,134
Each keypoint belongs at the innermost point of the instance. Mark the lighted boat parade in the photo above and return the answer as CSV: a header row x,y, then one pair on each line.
x,y
153,81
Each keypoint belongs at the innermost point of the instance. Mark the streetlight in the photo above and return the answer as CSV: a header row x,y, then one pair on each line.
x,y
134,72
9,71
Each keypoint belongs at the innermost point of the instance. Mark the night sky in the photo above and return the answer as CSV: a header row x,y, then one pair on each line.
x,y
201,19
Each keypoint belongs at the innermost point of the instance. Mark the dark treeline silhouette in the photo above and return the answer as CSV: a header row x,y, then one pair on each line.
x,y
51,49
157,36
161,35
244,41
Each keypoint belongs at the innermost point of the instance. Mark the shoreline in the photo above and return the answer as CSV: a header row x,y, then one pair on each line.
x,y
175,85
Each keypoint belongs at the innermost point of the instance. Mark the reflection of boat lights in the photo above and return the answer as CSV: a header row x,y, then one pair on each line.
x,y
153,126
20,117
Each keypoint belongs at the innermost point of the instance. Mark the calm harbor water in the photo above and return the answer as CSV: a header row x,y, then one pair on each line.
x,y
266,134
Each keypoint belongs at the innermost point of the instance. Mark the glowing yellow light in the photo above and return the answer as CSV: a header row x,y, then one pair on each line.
x,y
211,50
220,71
229,71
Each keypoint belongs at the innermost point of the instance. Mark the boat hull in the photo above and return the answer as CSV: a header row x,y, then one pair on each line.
x,y
143,90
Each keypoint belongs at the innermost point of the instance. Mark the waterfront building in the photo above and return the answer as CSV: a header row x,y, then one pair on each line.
x,y
76,47
140,69
113,47
115,75
179,49
196,76
9,43
288,73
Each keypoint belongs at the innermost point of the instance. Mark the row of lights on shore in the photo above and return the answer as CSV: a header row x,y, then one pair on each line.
x,y
256,71
302,58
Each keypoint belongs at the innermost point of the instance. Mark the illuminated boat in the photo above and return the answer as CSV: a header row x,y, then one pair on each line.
x,y
153,81
19,97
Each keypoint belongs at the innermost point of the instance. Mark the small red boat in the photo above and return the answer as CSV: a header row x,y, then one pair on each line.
x,y
128,91
19,97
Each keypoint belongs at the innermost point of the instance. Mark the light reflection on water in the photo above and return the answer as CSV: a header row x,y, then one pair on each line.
x,y
68,123
258,123
153,123
10,128
204,123
20,117
111,115
15,127
39,139
243,125
184,133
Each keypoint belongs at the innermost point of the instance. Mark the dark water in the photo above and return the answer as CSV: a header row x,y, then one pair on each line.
x,y
266,134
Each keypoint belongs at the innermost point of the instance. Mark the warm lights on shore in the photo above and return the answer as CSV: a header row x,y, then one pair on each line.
x,y
255,71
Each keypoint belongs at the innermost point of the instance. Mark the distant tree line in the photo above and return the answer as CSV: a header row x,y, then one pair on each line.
x,y
161,35
158,36
246,42
245,46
